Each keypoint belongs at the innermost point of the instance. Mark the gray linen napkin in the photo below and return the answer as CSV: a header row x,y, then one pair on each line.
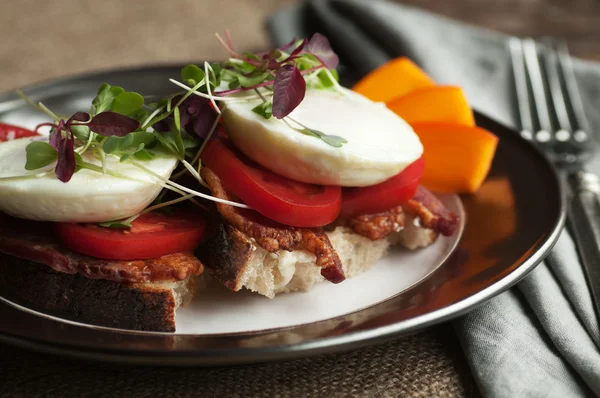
x,y
541,338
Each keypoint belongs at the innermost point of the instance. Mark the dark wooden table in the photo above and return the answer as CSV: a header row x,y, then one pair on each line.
x,y
578,21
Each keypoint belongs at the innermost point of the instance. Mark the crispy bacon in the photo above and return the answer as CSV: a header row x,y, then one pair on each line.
x,y
378,226
33,241
431,212
272,236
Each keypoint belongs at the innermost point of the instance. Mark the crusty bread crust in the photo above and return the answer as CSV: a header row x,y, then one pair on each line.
x,y
237,262
141,306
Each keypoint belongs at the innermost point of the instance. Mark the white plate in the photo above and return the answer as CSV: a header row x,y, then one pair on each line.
x,y
216,310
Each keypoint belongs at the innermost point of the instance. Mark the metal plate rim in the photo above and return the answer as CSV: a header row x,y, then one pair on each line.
x,y
317,346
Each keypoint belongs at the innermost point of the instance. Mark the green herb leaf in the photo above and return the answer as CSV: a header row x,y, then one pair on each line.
x,y
144,155
80,132
131,141
335,74
119,224
188,140
112,144
167,144
242,67
306,61
333,140
265,109
325,80
39,154
177,117
251,56
127,103
252,80
105,97
218,69
192,74
79,163
140,115
174,136
313,133
234,84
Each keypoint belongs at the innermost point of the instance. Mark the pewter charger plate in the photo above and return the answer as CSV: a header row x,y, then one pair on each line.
x,y
511,224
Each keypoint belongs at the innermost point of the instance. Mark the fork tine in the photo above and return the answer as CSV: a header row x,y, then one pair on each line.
x,y
520,75
558,95
532,64
572,90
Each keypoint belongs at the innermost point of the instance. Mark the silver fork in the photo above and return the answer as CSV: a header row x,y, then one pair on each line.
x,y
552,116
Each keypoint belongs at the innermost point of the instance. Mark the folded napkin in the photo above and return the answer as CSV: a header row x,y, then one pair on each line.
x,y
541,338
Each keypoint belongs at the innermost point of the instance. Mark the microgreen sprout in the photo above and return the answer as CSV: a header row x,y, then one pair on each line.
x,y
119,125
282,75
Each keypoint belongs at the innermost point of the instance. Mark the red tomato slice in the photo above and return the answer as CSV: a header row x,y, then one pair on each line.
x,y
8,131
278,198
384,196
152,235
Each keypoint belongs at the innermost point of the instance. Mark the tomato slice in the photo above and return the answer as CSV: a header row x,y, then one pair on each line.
x,y
384,196
152,235
10,132
279,198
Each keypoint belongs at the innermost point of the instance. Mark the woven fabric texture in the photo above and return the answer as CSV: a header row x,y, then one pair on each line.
x,y
429,364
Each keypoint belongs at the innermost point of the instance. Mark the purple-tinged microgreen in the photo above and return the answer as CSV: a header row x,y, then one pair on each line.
x,y
288,45
80,131
65,147
110,124
56,134
288,90
319,47
285,72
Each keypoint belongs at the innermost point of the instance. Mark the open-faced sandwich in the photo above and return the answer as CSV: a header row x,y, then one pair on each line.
x,y
262,171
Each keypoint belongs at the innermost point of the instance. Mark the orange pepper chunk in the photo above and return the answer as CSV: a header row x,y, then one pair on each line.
x,y
444,104
457,157
395,78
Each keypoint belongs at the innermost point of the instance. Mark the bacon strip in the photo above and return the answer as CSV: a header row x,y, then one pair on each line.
x,y
378,226
272,236
33,241
431,212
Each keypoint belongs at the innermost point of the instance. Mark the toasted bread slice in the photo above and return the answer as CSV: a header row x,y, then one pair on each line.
x,y
137,306
237,262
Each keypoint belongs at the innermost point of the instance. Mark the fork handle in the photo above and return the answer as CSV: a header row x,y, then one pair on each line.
x,y
584,221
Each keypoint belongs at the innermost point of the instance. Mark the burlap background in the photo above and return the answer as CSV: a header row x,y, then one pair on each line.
x,y
429,364
48,39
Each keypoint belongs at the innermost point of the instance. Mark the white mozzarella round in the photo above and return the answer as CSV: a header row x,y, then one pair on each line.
x,y
88,197
380,144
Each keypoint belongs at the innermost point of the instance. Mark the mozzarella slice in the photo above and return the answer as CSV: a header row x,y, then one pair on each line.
x,y
380,144
88,197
